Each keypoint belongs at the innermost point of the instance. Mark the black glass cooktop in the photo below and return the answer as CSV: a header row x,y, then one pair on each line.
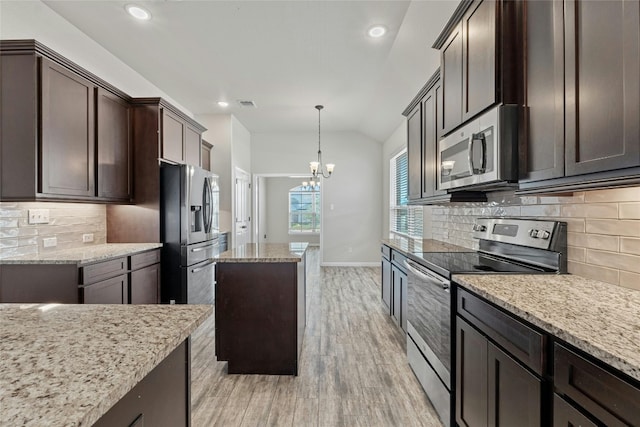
x,y
448,263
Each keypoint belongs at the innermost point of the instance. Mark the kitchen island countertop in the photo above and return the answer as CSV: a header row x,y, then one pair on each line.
x,y
67,365
598,318
83,255
265,252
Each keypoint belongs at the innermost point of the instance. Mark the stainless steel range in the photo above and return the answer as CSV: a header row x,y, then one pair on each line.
x,y
506,245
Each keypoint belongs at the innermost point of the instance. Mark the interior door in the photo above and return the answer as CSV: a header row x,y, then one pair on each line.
x,y
242,224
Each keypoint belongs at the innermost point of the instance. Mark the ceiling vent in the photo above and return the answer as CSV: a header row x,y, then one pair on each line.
x,y
247,103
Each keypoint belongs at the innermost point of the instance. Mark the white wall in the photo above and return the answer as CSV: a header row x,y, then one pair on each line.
x,y
276,212
392,146
351,230
231,148
261,209
34,20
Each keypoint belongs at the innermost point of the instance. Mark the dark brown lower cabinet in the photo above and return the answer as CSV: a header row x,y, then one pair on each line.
x,y
110,291
492,389
565,415
386,283
471,376
145,285
161,399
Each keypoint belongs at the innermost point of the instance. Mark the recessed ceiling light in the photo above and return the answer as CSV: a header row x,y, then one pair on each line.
x,y
377,31
138,12
223,104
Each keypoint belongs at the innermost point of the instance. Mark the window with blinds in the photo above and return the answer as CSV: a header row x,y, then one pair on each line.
x,y
403,219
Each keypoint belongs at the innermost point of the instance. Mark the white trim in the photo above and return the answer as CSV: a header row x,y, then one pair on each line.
x,y
350,264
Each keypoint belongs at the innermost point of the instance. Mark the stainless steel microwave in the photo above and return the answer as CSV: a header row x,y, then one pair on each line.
x,y
481,154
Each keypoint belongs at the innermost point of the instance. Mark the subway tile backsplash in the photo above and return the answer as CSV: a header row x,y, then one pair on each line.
x,y
603,228
67,222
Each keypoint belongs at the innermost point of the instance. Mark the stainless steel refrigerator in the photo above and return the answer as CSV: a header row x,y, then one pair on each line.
x,y
189,223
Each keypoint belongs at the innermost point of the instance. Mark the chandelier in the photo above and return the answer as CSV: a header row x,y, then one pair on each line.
x,y
317,168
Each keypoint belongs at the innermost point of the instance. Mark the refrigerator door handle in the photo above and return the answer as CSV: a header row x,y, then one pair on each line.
x,y
206,203
195,270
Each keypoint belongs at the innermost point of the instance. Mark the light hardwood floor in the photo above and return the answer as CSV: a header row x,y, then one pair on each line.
x,y
354,370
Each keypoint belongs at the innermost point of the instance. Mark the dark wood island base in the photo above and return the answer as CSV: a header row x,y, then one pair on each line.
x,y
260,315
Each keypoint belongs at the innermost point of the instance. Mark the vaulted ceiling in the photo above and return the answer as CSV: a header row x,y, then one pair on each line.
x,y
286,56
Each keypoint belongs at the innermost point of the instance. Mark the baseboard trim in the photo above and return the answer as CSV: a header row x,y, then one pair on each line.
x,y
350,264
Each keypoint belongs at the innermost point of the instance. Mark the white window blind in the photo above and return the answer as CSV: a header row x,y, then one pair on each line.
x,y
403,219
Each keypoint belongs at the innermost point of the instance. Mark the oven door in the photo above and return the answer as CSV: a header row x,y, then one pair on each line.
x,y
429,317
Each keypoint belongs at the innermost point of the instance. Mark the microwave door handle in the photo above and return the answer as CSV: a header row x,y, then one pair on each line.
x,y
470,155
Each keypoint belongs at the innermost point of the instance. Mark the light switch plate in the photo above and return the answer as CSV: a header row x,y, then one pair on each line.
x,y
38,216
50,242
86,238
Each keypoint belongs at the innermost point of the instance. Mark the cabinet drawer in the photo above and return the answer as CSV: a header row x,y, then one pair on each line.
x,y
103,270
144,259
565,415
603,394
398,259
110,291
526,344
386,251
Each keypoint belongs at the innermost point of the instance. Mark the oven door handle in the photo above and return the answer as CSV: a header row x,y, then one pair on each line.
x,y
419,271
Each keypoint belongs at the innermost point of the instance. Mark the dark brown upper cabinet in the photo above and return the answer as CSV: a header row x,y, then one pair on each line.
x,y
582,95
206,155
114,146
181,141
67,139
64,133
451,66
479,60
424,114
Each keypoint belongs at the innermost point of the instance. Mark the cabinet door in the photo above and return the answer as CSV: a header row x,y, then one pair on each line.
x,y
205,155
544,91
430,142
114,146
110,291
386,283
192,146
67,141
565,415
173,133
471,376
414,152
451,72
145,285
602,57
514,394
396,300
479,58
403,301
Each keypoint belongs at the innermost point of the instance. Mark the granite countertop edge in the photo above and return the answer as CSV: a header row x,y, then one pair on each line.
x,y
144,369
75,255
600,352
264,253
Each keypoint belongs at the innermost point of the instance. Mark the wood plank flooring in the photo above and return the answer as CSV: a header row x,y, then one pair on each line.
x,y
353,369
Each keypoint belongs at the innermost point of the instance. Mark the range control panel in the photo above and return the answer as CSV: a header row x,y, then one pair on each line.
x,y
524,232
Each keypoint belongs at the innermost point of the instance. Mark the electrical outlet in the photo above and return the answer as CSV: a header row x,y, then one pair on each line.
x,y
350,250
50,242
38,216
86,238
445,234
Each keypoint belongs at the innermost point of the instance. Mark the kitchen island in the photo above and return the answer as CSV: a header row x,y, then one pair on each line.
x,y
82,365
261,308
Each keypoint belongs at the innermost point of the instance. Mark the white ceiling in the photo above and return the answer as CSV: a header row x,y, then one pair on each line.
x,y
287,56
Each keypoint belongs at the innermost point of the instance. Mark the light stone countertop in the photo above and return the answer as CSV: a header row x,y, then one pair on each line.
x,y
265,252
598,318
83,255
67,365
410,245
